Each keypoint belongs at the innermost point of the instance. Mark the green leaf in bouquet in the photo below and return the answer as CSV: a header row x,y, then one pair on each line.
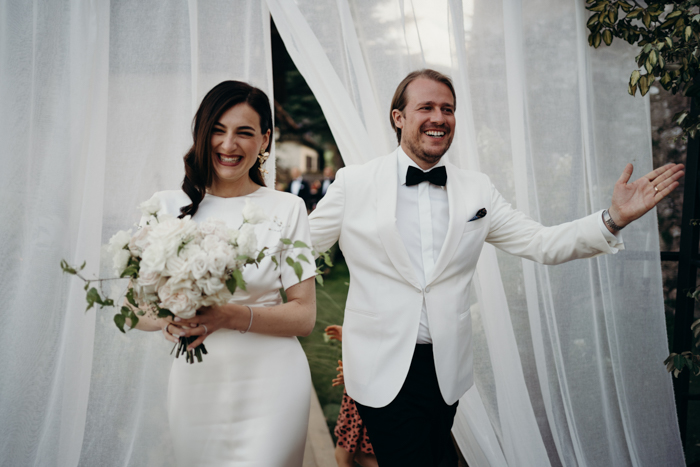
x,y
231,285
290,261
164,313
285,241
319,278
134,320
130,297
92,297
140,313
298,270
120,321
261,255
67,268
240,282
274,260
87,285
130,271
303,258
300,244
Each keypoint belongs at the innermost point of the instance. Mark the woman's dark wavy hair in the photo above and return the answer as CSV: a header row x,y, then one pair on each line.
x,y
199,167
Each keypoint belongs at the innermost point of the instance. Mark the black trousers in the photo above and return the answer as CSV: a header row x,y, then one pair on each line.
x,y
414,429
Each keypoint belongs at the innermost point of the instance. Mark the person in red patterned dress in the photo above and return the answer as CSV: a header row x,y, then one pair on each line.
x,y
353,441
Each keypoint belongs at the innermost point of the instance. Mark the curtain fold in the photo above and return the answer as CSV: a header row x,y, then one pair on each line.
x,y
96,103
53,72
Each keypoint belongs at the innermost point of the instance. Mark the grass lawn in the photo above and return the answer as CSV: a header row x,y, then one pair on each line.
x,y
323,356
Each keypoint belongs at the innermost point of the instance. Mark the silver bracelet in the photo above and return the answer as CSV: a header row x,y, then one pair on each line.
x,y
251,320
610,222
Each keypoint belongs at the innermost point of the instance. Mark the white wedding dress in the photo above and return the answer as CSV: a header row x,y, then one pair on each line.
x,y
247,403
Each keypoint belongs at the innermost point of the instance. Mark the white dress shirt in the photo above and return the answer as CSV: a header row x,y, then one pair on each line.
x,y
422,218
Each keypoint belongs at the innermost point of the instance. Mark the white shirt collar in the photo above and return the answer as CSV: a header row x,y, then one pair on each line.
x,y
404,162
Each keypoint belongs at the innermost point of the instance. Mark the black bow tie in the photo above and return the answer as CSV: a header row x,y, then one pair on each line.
x,y
437,176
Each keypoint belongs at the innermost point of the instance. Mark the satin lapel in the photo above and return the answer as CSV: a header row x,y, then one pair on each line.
x,y
386,183
456,197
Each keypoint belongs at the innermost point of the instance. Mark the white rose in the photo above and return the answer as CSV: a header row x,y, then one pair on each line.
x,y
180,305
119,240
216,262
150,207
140,241
153,259
172,233
194,293
177,268
211,243
247,240
211,285
149,281
214,227
146,286
253,214
121,259
197,263
176,301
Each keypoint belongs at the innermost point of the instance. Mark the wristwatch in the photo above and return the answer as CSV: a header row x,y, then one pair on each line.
x,y
609,222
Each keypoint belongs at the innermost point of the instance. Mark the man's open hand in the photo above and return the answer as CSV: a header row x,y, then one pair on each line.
x,y
630,201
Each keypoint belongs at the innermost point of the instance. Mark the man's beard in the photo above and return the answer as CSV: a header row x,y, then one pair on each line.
x,y
429,158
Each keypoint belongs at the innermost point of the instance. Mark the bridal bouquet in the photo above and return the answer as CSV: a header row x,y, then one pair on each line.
x,y
177,266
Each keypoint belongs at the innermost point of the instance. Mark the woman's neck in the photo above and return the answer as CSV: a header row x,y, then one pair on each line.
x,y
232,189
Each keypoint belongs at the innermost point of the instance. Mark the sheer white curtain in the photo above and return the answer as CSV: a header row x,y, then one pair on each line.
x,y
569,357
96,101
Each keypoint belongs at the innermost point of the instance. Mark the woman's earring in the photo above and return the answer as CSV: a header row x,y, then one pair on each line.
x,y
262,157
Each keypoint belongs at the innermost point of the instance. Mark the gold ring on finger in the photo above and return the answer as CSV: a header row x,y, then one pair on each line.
x,y
206,331
656,189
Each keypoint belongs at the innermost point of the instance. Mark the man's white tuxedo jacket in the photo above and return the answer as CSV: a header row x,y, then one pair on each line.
x,y
385,299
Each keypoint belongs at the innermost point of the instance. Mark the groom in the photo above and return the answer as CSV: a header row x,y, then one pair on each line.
x,y
411,227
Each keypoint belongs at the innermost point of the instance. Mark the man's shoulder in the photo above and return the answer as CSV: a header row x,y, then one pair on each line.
x,y
466,176
369,167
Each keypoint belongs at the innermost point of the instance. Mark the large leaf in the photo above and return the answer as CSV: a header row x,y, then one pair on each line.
x,y
120,321
240,282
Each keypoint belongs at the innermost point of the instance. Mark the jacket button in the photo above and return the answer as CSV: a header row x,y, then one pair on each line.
x,y
427,290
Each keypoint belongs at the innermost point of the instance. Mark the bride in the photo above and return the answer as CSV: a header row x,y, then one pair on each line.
x,y
247,403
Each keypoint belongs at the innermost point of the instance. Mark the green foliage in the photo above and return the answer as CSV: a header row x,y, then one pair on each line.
x,y
668,34
302,106
93,296
238,276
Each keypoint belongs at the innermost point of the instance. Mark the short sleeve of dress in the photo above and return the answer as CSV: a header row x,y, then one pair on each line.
x,y
297,228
